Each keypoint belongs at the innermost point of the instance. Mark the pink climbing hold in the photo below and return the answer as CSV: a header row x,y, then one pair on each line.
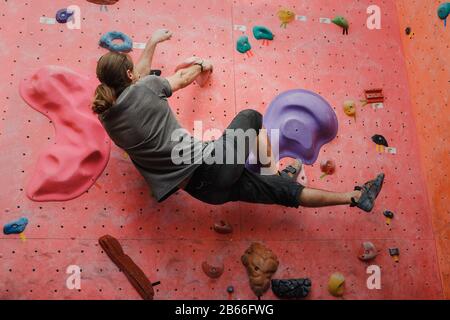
x,y
203,78
71,165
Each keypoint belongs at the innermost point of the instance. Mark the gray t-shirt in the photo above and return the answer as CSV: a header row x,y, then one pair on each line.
x,y
142,123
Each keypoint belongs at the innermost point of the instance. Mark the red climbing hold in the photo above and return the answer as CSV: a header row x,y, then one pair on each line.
x,y
212,271
70,166
223,227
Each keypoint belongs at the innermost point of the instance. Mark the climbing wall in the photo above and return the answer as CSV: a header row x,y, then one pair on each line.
x,y
171,240
427,51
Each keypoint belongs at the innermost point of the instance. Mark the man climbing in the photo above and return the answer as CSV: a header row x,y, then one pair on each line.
x,y
133,108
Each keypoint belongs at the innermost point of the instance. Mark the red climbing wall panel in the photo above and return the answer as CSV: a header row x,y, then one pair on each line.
x,y
426,51
170,240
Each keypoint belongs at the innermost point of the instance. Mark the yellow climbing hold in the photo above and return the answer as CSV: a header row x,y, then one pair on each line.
x,y
286,16
350,108
336,284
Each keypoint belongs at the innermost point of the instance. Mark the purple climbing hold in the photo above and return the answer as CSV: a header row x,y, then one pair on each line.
x,y
306,122
63,15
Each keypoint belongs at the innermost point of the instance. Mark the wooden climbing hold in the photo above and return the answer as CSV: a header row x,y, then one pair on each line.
x,y
261,263
134,274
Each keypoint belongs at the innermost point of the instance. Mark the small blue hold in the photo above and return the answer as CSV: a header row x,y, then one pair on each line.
x,y
17,226
444,11
106,41
63,15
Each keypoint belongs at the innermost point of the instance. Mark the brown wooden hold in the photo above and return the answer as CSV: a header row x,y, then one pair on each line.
x,y
134,274
261,263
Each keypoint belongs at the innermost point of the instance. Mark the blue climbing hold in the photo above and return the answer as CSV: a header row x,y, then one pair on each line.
x,y
243,45
63,15
106,41
444,11
17,226
261,32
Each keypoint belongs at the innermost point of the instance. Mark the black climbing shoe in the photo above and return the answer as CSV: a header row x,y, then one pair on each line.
x,y
369,192
292,171
291,288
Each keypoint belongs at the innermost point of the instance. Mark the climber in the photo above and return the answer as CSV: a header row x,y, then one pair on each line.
x,y
133,108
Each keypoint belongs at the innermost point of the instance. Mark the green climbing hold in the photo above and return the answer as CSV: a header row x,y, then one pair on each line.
x,y
261,32
444,10
341,22
243,45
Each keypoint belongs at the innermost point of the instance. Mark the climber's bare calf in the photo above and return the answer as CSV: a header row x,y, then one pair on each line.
x,y
315,198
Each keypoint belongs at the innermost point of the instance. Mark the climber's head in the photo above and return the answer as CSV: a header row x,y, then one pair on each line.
x,y
115,72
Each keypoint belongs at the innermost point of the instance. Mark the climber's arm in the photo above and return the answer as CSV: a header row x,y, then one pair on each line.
x,y
143,66
184,77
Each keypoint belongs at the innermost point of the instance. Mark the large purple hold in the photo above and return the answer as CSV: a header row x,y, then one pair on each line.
x,y
306,122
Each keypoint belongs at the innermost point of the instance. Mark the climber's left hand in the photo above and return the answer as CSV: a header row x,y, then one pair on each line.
x,y
161,35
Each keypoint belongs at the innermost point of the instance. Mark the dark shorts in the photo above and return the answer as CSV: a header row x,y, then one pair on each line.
x,y
221,183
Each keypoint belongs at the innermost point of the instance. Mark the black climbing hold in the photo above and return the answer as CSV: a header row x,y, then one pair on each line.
x,y
155,72
394,252
291,288
230,289
388,214
408,31
380,140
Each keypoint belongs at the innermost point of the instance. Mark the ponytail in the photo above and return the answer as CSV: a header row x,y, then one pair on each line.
x,y
112,71
104,98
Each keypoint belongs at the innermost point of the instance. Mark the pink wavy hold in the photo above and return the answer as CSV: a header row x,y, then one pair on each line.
x,y
80,153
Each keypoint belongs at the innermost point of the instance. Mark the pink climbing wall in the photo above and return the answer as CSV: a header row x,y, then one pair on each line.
x,y
170,240
427,51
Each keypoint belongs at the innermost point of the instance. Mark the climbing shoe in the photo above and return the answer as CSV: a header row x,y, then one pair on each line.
x,y
292,171
369,192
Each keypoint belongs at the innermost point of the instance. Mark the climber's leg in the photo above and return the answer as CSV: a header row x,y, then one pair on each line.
x,y
319,198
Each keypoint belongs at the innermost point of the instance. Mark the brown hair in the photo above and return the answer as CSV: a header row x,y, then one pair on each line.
x,y
112,72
